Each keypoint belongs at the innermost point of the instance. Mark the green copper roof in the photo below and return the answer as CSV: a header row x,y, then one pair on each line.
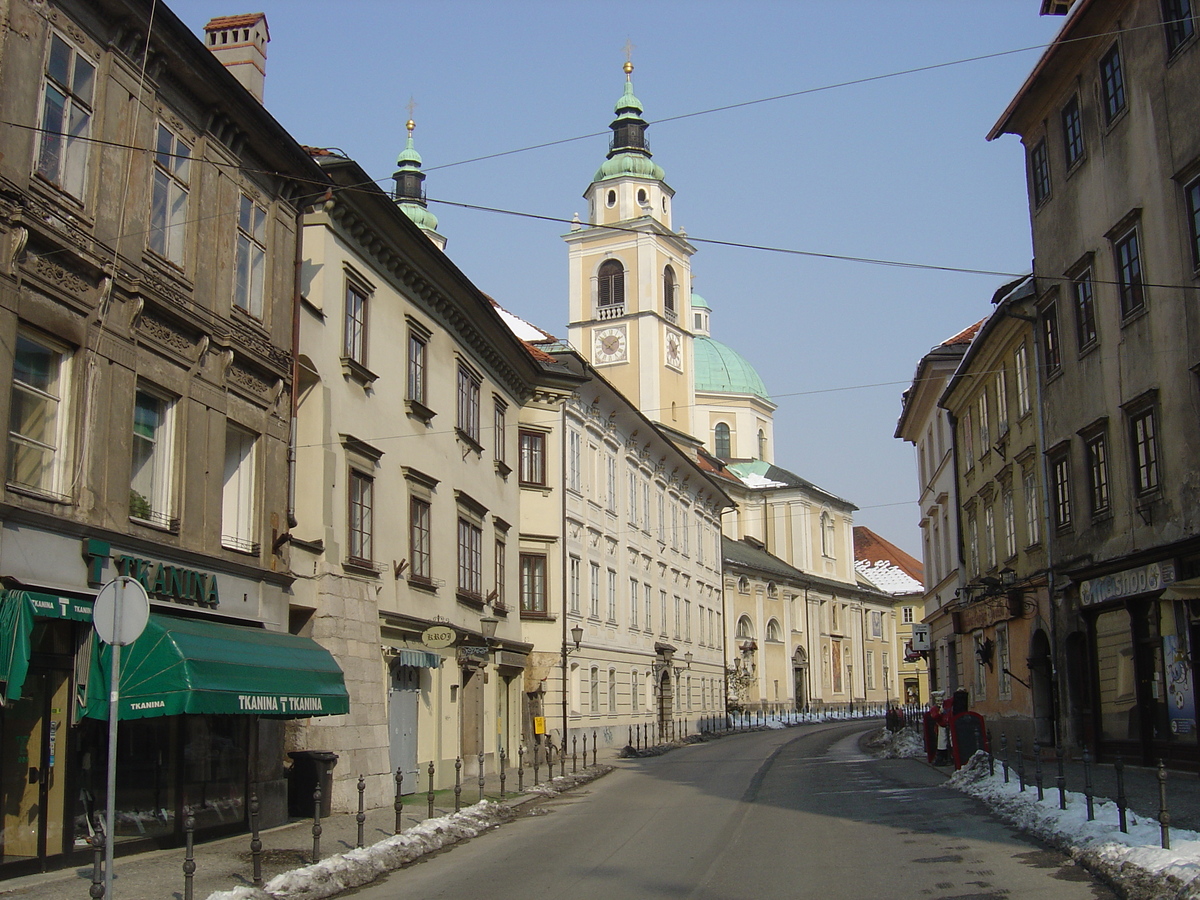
x,y
629,164
409,156
628,101
699,302
420,215
722,370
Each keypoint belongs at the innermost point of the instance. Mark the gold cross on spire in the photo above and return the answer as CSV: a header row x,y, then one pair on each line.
x,y
628,58
410,106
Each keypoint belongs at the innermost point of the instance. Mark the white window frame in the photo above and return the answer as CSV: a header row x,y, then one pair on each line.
x,y
169,187
360,516
39,418
153,502
66,126
251,264
239,490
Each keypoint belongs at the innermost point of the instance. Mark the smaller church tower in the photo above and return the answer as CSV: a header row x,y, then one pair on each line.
x,y
410,190
630,276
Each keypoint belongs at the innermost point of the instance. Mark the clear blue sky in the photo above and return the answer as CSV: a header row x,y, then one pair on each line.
x,y
894,169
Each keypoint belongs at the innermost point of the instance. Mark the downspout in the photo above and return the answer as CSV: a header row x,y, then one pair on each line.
x,y
952,677
862,641
295,401
812,663
562,501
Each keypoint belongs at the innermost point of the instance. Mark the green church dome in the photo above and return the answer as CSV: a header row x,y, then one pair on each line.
x,y
699,302
629,164
722,370
420,215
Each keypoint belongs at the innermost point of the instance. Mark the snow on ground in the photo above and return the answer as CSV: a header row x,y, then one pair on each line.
x,y
1133,863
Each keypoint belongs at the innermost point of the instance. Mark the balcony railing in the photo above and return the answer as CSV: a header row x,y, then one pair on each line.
x,y
612,311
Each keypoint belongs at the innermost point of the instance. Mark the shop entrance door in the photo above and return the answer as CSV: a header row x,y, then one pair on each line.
x,y
402,723
33,772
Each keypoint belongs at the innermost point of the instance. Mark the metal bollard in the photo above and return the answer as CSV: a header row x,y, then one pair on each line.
x,y
630,744
594,748
550,761
1020,765
521,769
96,891
361,816
575,753
562,760
457,783
1062,778
1164,817
1037,768
398,802
189,856
255,842
585,749
480,776
430,796
316,828
1087,784
991,754
1004,755
1119,768
503,762
535,764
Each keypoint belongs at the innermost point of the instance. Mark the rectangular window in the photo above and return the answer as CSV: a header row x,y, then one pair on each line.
x,y
1001,403
36,424
417,349
1039,172
1096,449
1072,125
354,331
1144,446
419,540
632,498
500,601
610,462
150,482
662,518
533,457
980,670
985,429
699,540
574,462
646,595
634,594
168,196
1050,343
1060,474
1003,678
362,489
470,559
238,493
989,535
500,430
968,436
468,404
1193,213
972,546
662,611
594,609
1178,21
573,582
674,526
1032,514
1021,370
1112,83
66,117
687,620
1085,309
906,615
533,584
1010,523
678,616
646,505
612,596
1129,273
870,674
251,257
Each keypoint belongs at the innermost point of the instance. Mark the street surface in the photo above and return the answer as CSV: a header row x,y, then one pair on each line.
x,y
797,813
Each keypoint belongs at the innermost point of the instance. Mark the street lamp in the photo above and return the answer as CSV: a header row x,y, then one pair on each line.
x,y
887,690
576,636
488,624
850,685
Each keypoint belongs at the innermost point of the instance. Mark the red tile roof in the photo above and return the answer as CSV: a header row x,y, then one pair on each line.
x,y
966,335
871,547
243,21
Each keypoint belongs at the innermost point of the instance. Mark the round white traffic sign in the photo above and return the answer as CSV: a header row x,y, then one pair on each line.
x,y
121,611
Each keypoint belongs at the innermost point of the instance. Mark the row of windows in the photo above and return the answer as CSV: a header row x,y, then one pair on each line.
x,y
65,148
1180,27
610,290
689,692
1144,466
723,443
977,419
602,592
1000,539
40,452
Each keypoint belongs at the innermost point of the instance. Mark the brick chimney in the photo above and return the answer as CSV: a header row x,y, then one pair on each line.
x,y
240,43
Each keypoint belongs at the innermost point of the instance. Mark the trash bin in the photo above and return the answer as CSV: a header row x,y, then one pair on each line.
x,y
310,768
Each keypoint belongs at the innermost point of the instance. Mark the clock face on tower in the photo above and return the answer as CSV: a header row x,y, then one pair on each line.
x,y
674,350
610,344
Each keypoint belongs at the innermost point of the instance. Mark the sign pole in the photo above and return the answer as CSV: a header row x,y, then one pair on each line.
x,y
111,795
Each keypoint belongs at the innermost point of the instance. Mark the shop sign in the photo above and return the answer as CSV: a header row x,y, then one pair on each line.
x,y
161,580
473,654
436,637
1128,583
51,606
920,636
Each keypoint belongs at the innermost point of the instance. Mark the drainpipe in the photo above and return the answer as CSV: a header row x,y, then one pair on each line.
x,y
562,501
295,402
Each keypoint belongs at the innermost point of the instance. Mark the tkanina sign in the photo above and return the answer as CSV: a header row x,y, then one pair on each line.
x,y
161,580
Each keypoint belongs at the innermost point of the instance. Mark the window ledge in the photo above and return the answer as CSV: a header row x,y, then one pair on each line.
x,y
468,598
1089,348
156,520
357,371
26,490
468,440
535,486
362,566
531,616
1135,314
419,410
503,468
240,545
422,584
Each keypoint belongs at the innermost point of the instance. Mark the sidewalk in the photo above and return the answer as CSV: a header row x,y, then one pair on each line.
x,y
226,863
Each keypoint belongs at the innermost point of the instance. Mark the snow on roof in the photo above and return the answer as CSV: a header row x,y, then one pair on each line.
x,y
888,577
754,480
526,331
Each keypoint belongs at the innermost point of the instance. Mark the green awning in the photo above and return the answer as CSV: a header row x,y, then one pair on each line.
x,y
194,666
419,658
16,626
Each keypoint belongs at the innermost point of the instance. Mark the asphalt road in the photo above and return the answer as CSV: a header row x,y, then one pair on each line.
x,y
799,813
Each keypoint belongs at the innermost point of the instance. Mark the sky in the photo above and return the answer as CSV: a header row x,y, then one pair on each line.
x,y
893,168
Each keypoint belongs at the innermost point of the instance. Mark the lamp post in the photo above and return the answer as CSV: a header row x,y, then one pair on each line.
x,y
850,685
576,636
887,690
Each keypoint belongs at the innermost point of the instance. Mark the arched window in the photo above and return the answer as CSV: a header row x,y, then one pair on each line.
x,y
773,631
721,441
772,589
745,629
827,535
743,585
762,444
612,283
669,292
